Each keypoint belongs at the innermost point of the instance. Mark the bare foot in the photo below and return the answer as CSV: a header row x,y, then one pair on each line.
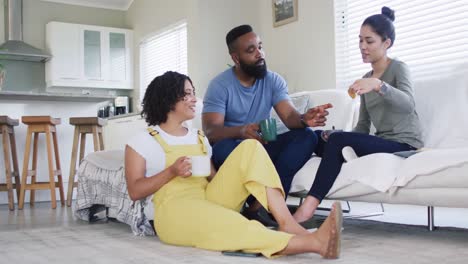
x,y
307,209
301,216
293,228
329,233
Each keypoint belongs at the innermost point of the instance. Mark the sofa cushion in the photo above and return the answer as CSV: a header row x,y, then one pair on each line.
x,y
442,106
388,172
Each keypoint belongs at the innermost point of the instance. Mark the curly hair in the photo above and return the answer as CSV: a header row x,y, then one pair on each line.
x,y
162,95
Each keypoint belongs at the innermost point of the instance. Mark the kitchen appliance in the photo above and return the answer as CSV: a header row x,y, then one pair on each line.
x,y
14,47
121,105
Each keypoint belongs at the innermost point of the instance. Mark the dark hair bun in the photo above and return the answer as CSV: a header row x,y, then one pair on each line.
x,y
386,11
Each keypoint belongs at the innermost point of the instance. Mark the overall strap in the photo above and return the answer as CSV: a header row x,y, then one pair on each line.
x,y
155,134
201,140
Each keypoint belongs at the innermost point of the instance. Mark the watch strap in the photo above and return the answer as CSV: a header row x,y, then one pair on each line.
x,y
303,121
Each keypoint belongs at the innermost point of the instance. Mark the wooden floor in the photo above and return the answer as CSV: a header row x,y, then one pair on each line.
x,y
43,235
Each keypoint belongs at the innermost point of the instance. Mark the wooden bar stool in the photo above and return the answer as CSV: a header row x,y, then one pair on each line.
x,y
83,126
8,134
37,125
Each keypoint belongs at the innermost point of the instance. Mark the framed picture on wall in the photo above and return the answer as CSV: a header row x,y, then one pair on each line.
x,y
284,11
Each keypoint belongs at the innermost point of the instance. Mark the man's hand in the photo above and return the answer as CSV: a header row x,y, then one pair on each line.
x,y
316,116
251,131
182,167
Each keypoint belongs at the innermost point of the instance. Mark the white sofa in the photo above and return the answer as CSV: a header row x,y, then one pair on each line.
x,y
437,176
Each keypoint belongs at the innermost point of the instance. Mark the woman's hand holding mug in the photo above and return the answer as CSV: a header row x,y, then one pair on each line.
x,y
182,167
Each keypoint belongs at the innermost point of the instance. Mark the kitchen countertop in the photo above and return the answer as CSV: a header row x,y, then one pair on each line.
x,y
14,95
122,116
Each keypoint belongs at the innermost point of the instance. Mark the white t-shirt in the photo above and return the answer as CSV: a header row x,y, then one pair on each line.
x,y
147,146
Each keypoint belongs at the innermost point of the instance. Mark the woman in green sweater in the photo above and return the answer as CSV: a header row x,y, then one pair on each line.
x,y
386,101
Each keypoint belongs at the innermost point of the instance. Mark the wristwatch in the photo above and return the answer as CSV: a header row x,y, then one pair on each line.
x,y
303,122
382,83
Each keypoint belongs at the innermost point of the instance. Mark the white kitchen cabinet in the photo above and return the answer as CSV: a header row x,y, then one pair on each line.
x,y
63,41
89,56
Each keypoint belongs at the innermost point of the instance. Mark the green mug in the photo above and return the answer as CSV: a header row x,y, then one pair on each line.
x,y
268,129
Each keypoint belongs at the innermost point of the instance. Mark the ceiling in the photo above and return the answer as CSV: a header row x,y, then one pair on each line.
x,y
109,4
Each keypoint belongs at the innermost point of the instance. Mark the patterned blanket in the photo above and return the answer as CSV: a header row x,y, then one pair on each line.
x,y
101,183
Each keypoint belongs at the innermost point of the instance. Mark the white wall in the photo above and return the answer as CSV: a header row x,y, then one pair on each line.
x,y
208,22
303,52
215,19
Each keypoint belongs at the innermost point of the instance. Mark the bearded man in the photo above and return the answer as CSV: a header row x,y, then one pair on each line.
x,y
240,97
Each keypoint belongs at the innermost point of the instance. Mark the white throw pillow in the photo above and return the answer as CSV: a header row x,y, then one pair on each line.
x,y
300,102
341,114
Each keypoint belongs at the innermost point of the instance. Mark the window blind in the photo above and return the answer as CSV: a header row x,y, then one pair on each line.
x,y
163,51
431,36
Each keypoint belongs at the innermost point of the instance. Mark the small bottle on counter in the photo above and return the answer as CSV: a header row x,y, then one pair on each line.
x,y
111,110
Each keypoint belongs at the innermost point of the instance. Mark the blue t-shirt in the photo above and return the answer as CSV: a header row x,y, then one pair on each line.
x,y
243,105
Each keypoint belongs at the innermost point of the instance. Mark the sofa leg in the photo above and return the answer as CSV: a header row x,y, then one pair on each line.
x,y
430,218
350,216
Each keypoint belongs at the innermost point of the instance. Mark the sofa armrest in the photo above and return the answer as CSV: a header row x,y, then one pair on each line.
x,y
356,114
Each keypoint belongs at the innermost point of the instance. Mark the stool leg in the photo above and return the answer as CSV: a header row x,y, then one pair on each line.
x,y
95,138
82,147
6,155
14,156
101,140
32,193
58,168
71,177
27,152
51,167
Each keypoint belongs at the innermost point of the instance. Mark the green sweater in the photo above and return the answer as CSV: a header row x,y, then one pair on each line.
x,y
393,112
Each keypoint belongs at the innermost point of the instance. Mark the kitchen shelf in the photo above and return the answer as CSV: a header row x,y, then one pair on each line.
x,y
62,97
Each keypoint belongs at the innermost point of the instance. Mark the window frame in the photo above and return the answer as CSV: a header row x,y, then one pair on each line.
x,y
153,37
412,45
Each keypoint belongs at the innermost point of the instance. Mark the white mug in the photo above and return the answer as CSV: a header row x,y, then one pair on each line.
x,y
201,166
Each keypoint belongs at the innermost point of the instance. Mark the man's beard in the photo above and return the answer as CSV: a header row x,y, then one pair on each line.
x,y
258,71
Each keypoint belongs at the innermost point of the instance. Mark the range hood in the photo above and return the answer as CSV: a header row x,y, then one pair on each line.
x,y
14,48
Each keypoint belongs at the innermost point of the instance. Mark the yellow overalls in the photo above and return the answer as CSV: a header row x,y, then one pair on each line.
x,y
194,212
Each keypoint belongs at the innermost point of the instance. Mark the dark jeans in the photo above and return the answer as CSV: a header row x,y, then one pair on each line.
x,y
332,158
289,152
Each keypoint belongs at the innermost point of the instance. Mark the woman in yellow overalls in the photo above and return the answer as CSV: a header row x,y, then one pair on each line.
x,y
203,212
